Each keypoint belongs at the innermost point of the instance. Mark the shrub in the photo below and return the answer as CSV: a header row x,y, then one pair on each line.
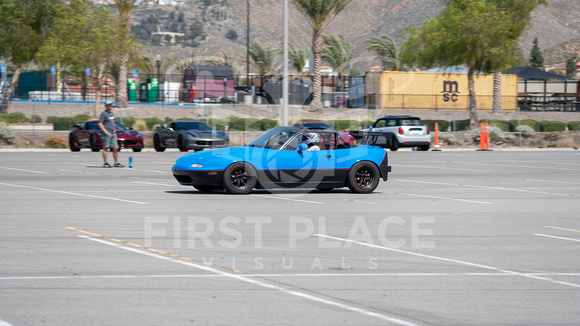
x,y
526,122
81,118
574,125
550,126
496,136
527,131
7,135
168,120
267,124
152,122
61,123
14,117
462,124
443,125
140,124
504,125
219,124
444,139
128,122
36,119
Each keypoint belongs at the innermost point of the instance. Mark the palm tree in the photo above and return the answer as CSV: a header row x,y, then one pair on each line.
x,y
319,14
298,58
497,104
126,9
338,52
387,50
263,58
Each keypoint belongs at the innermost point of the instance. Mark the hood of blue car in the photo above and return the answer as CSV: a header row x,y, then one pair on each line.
x,y
219,158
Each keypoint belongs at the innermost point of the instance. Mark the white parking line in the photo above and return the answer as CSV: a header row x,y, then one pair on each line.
x,y
325,275
447,198
74,194
23,170
555,237
552,181
488,187
157,184
441,168
263,284
291,199
452,261
3,323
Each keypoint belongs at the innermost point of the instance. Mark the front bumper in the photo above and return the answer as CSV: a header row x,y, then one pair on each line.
x,y
198,178
197,144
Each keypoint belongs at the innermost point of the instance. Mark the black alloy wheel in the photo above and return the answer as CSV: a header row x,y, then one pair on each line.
x,y
157,144
363,177
239,178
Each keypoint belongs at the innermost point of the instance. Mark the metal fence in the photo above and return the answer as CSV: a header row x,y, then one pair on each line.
x,y
344,91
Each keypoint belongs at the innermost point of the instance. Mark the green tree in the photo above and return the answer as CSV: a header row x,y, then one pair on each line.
x,y
536,57
387,50
571,66
126,9
319,14
338,53
23,27
298,58
482,34
85,36
263,58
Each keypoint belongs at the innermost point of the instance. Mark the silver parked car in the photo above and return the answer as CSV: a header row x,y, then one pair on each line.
x,y
409,131
187,135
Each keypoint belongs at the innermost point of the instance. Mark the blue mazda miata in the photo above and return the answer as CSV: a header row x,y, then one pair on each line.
x,y
286,157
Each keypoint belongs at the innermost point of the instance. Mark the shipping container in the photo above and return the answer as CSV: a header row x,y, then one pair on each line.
x,y
439,91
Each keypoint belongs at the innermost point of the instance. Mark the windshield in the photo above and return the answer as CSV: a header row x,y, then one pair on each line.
x,y
317,125
94,125
191,125
273,138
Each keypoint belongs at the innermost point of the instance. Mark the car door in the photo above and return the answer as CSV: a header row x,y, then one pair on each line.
x,y
168,135
84,133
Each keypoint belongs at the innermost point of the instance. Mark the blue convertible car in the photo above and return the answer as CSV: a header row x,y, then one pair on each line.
x,y
286,157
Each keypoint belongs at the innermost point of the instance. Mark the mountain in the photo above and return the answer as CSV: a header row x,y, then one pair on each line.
x,y
219,26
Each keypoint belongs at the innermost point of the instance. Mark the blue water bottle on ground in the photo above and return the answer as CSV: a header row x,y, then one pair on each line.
x,y
130,161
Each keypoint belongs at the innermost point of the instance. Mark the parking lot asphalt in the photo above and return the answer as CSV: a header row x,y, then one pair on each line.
x,y
452,238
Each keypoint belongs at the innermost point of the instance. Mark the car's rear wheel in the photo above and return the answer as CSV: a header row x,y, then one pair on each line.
x,y
240,178
395,145
157,144
137,149
181,144
72,144
205,188
425,147
93,144
363,177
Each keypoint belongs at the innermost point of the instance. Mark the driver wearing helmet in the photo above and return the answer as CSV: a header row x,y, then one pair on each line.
x,y
311,140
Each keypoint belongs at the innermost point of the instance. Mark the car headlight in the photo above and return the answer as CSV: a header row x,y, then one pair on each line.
x,y
196,165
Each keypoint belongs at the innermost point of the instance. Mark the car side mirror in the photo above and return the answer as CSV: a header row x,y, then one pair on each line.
x,y
302,147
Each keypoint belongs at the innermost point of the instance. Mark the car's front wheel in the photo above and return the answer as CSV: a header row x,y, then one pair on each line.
x,y
93,144
395,145
137,149
181,144
72,144
363,177
425,147
240,178
157,144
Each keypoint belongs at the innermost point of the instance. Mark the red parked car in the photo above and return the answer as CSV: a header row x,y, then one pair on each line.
x,y
88,135
317,125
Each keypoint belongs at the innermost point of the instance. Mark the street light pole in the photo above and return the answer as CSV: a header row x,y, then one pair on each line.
x,y
285,81
158,80
248,44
